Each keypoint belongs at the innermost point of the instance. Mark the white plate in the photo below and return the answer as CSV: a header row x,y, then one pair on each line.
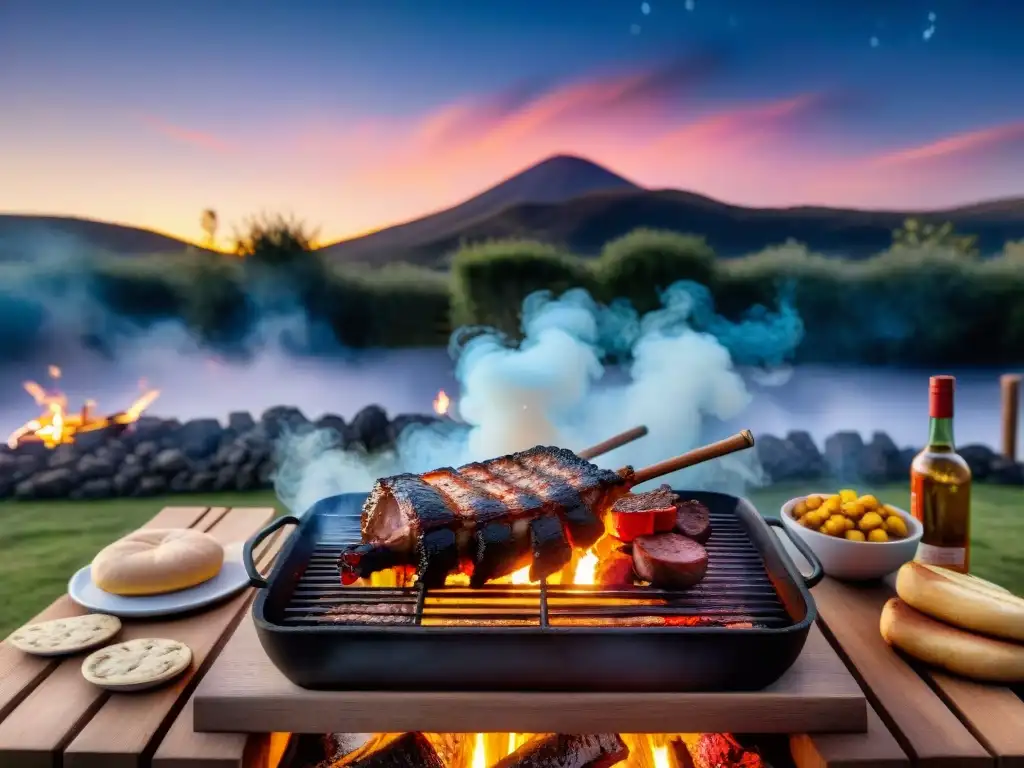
x,y
231,580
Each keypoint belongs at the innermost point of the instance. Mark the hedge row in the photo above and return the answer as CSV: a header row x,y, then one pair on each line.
x,y
904,306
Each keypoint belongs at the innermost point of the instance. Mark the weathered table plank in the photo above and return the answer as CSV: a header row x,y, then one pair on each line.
x,y
994,714
877,748
245,692
927,729
121,731
184,747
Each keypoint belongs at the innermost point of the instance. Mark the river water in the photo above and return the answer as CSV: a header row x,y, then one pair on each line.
x,y
821,400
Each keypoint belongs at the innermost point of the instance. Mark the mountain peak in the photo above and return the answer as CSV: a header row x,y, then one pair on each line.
x,y
558,178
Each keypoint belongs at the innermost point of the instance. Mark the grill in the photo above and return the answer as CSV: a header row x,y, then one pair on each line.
x,y
736,590
739,629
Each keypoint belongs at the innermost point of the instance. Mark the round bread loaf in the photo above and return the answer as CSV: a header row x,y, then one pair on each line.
x,y
963,601
152,562
949,648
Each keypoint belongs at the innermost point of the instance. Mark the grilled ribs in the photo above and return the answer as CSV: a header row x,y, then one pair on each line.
x,y
486,518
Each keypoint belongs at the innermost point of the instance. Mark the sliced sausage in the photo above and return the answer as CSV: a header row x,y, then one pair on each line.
x,y
669,560
693,520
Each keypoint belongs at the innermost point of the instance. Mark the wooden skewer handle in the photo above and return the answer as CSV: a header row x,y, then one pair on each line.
x,y
738,442
613,442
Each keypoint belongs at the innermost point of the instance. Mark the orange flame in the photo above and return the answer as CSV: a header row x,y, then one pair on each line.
x,y
480,759
56,425
442,403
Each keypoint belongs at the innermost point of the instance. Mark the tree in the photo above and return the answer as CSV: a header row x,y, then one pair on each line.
x,y
275,241
208,222
280,262
914,234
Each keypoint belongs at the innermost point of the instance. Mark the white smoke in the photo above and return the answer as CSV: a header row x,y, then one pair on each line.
x,y
553,388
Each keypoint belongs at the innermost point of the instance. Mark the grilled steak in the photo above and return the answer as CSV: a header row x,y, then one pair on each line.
x,y
662,496
600,750
444,520
523,484
551,550
669,560
693,520
499,552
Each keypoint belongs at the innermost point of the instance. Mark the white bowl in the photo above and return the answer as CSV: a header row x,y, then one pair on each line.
x,y
856,560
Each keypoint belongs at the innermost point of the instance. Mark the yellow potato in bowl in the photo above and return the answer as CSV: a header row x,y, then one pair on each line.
x,y
849,515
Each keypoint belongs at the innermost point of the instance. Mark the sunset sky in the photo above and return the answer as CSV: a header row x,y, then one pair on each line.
x,y
355,114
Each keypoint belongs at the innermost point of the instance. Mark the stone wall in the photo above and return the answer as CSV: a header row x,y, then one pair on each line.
x,y
159,456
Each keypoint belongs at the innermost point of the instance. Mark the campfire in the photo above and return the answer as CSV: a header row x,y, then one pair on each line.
x,y
442,403
57,425
522,750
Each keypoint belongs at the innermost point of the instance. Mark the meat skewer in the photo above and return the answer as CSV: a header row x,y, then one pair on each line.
x,y
491,518
612,443
498,550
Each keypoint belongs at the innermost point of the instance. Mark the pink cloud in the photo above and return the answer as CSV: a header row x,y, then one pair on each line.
x,y
183,135
981,142
647,124
653,125
960,168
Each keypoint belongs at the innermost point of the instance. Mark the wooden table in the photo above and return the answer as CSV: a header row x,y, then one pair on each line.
x,y
51,717
917,717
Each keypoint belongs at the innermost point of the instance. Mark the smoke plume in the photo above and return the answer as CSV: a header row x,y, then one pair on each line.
x,y
558,387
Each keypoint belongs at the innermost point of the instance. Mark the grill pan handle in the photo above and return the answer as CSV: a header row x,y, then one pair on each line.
x,y
249,561
817,572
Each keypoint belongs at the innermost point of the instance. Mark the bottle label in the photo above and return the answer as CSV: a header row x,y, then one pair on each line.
x,y
917,495
932,555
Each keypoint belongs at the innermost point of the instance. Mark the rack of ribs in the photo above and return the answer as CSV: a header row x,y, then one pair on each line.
x,y
491,518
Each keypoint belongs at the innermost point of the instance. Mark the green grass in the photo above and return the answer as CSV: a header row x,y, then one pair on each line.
x,y
43,543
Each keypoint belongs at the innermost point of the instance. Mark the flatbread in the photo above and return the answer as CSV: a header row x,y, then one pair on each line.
x,y
137,664
59,637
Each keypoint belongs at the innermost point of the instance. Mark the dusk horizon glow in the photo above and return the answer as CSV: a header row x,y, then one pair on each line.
x,y
357,116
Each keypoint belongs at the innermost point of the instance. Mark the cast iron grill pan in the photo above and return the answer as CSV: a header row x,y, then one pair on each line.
x,y
535,637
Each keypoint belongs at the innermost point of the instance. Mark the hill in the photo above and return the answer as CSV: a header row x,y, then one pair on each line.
x,y
552,181
23,235
585,223
579,205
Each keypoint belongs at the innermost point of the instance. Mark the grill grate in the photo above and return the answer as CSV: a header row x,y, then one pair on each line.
x,y
736,591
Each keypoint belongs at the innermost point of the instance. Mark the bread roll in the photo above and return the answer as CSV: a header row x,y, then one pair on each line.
x,y
952,649
151,562
963,601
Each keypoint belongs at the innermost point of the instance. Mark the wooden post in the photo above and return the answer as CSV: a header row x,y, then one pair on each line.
x,y
1009,385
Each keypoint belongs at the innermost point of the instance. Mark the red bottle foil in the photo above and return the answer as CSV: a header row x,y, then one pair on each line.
x,y
940,397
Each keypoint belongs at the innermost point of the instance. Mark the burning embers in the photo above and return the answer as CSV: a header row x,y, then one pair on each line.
x,y
524,750
57,425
